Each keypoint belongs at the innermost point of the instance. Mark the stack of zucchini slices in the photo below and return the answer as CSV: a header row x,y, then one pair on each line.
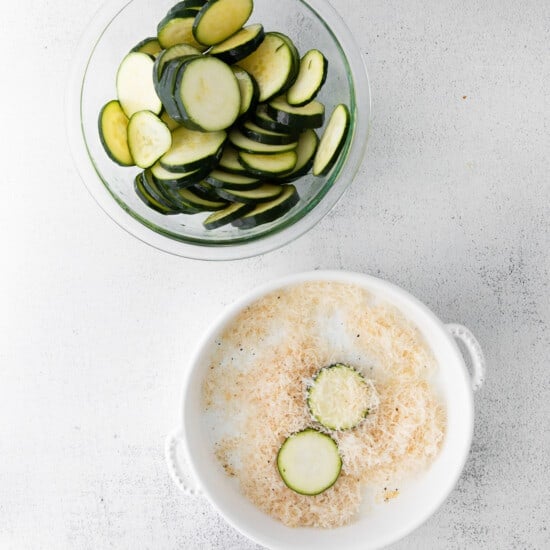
x,y
220,116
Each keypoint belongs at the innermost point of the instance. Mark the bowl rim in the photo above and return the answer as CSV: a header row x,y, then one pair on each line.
x,y
274,238
424,316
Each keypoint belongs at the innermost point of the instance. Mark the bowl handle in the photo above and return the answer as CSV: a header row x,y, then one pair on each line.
x,y
173,451
463,334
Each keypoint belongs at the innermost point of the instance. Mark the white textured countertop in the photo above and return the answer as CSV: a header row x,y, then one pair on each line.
x,y
452,203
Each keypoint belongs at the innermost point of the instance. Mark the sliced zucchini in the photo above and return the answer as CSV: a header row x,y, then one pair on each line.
x,y
219,19
149,46
192,199
243,143
207,94
311,115
295,60
169,121
229,161
174,29
263,120
150,201
178,51
248,88
265,166
332,141
156,191
227,215
265,192
272,65
182,205
307,145
309,462
310,79
240,45
266,212
113,133
219,178
177,180
134,84
256,133
148,138
205,191
191,150
340,398
186,5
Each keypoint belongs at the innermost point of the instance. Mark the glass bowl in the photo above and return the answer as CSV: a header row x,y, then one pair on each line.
x,y
115,29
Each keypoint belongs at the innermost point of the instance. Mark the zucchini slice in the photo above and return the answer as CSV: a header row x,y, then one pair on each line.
x,y
186,5
174,29
149,46
134,84
219,178
177,180
243,143
169,121
340,398
307,145
272,65
265,192
309,462
229,161
248,88
332,141
148,200
263,120
265,166
205,191
207,94
195,201
178,51
311,115
191,150
265,212
156,191
256,133
148,138
240,45
227,215
113,133
310,79
219,19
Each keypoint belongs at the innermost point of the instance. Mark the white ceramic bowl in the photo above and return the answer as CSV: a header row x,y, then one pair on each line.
x,y
195,469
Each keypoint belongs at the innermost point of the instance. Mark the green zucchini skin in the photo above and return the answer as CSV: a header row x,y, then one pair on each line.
x,y
258,165
269,211
150,46
226,180
256,133
263,193
186,179
156,191
223,217
250,92
261,118
148,200
186,4
321,167
236,53
305,158
316,86
293,120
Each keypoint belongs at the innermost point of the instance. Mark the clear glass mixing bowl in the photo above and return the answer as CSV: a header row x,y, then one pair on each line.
x,y
116,28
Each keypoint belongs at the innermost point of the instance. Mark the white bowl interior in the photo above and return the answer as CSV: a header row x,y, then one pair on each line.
x,y
379,525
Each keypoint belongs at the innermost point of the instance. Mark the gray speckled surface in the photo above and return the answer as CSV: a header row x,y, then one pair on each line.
x,y
452,203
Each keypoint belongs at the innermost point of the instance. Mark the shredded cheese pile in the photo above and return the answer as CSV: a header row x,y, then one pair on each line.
x,y
258,379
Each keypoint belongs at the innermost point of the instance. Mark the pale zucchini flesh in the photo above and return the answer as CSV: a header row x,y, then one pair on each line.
x,y
174,30
240,45
265,192
135,86
207,94
149,46
148,138
262,165
272,65
307,146
309,462
243,143
340,398
227,215
310,79
219,19
248,88
308,116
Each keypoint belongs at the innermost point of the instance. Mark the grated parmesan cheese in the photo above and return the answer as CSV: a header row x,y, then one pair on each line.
x,y
258,380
